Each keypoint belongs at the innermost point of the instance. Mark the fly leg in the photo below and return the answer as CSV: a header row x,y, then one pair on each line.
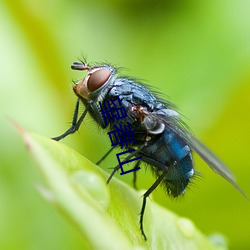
x,y
110,150
113,172
145,196
126,159
75,124
134,173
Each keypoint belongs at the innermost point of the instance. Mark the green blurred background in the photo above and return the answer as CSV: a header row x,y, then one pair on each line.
x,y
195,52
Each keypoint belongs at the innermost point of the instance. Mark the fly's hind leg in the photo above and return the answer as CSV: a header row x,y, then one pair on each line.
x,y
145,196
134,173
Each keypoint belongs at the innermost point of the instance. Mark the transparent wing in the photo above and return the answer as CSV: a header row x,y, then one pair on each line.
x,y
175,124
208,156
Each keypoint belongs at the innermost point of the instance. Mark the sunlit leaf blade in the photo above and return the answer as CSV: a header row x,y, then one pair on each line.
x,y
106,216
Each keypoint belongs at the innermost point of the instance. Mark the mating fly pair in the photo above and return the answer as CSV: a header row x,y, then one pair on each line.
x,y
161,138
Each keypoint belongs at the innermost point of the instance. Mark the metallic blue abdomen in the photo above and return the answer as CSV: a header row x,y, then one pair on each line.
x,y
172,155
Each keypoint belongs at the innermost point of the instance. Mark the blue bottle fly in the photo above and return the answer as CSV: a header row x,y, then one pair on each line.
x,y
161,138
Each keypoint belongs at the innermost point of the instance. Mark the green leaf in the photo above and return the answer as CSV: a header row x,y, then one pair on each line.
x,y
106,215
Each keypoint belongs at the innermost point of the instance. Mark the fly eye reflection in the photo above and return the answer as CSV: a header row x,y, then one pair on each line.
x,y
97,79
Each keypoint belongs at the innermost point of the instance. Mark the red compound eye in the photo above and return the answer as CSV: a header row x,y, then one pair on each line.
x,y
97,79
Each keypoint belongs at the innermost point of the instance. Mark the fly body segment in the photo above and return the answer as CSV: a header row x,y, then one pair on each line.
x,y
161,139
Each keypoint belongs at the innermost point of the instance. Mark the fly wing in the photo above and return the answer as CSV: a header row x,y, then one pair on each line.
x,y
208,156
175,124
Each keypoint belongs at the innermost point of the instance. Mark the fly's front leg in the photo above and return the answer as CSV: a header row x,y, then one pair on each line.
x,y
75,123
